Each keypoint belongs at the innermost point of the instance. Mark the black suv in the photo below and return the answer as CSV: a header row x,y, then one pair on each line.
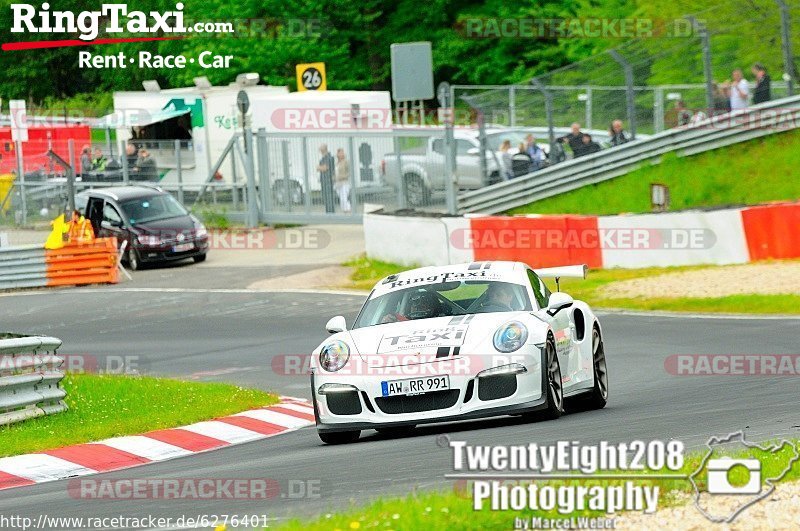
x,y
155,225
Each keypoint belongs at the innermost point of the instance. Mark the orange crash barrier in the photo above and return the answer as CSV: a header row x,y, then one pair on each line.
x,y
772,231
83,262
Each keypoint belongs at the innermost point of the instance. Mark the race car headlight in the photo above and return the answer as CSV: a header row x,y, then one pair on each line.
x,y
334,356
510,337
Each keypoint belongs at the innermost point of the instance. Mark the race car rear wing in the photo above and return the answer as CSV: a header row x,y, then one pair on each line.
x,y
571,271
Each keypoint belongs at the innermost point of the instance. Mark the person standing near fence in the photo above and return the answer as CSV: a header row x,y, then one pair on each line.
x,y
738,90
617,133
343,180
326,169
86,160
762,92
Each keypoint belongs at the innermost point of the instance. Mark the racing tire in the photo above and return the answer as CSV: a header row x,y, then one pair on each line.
x,y
417,194
134,264
339,437
554,387
597,397
199,258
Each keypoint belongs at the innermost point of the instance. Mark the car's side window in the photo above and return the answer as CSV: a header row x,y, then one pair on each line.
x,y
540,291
463,146
437,146
110,214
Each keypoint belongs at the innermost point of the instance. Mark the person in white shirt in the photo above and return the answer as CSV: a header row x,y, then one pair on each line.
x,y
739,90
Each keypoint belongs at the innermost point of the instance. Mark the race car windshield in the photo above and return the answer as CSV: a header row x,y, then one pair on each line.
x,y
443,299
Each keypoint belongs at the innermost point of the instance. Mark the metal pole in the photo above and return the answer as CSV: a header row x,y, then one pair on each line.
x,y
588,108
234,181
548,109
180,170
21,180
126,177
263,167
252,201
352,176
512,106
108,143
306,177
705,43
287,196
658,109
71,177
401,181
630,103
786,42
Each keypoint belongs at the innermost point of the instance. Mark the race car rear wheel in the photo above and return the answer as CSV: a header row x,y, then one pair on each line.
x,y
554,387
339,437
597,397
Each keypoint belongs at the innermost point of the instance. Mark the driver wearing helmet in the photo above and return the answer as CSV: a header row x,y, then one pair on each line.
x,y
422,305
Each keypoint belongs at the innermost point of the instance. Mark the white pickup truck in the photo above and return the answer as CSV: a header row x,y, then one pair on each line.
x,y
422,169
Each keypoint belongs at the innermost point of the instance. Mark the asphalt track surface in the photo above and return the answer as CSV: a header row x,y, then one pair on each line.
x,y
234,336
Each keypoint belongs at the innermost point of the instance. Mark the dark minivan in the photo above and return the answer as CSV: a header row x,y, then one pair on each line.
x,y
155,225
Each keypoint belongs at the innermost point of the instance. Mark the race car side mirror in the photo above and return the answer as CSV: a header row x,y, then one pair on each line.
x,y
558,301
336,324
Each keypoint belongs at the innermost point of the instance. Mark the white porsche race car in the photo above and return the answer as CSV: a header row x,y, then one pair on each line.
x,y
441,344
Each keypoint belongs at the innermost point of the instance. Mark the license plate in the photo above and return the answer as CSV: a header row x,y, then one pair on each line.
x,y
415,386
183,247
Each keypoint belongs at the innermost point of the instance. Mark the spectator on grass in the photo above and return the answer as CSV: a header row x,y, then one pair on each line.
x,y
574,139
738,90
618,134
762,91
588,146
536,153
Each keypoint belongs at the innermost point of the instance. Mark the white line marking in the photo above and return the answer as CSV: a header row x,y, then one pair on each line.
x,y
146,447
42,467
273,417
223,431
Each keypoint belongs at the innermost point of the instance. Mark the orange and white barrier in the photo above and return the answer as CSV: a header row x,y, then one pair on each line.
x,y
726,236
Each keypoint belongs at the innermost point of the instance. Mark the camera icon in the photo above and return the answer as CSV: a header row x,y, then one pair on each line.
x,y
719,481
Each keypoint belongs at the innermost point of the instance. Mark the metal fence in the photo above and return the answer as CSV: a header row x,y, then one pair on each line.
x,y
29,377
712,133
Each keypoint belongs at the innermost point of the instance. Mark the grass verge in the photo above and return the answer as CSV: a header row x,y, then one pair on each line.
x,y
762,170
367,272
103,406
453,509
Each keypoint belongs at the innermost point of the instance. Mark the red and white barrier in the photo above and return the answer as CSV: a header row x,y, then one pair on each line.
x,y
720,237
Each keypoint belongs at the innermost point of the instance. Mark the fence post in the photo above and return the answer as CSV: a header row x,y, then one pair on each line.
x,y
658,109
126,177
287,193
630,104
352,176
786,45
401,181
252,201
234,180
306,177
708,74
71,177
21,181
548,109
180,170
589,109
512,106
263,168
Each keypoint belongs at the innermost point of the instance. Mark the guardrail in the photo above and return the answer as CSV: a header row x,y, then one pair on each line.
x,y
711,133
29,378
32,266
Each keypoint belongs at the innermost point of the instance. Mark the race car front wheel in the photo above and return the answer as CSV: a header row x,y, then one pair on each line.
x,y
597,397
339,437
553,386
